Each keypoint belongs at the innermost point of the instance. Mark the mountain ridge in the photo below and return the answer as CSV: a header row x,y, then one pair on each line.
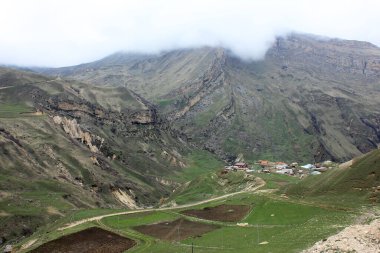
x,y
207,91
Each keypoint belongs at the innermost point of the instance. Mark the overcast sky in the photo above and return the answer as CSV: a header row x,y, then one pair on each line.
x,y
67,32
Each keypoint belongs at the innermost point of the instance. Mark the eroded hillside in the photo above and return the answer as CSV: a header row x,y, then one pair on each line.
x,y
67,145
309,99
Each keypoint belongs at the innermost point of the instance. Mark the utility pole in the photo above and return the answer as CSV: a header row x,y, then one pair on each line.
x,y
258,235
192,247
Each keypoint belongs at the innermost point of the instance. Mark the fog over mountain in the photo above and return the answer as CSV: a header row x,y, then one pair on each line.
x,y
61,33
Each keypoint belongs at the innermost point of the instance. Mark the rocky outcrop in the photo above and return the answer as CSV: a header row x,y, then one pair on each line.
x,y
144,117
174,158
329,55
355,238
211,78
125,198
72,128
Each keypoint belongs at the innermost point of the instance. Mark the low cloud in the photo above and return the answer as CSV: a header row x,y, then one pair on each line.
x,y
60,33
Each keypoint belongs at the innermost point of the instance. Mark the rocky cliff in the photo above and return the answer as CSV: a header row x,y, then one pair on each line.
x,y
309,99
66,145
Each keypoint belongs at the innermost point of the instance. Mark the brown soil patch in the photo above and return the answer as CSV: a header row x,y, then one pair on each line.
x,y
54,211
231,213
176,230
94,240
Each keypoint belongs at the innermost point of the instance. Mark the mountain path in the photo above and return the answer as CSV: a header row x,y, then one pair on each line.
x,y
96,218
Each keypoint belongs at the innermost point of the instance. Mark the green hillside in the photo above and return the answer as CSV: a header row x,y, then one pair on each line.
x,y
361,181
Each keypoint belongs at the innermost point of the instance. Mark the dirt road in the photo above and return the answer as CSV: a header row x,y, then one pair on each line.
x,y
96,218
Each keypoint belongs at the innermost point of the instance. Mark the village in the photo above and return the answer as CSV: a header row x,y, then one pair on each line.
x,y
291,169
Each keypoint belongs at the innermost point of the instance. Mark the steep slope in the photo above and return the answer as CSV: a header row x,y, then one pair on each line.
x,y
362,179
310,99
67,145
151,76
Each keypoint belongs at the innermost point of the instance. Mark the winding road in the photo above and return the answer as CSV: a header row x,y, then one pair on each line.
x,y
97,218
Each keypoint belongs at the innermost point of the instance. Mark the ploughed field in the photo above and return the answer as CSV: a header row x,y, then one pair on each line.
x,y
176,230
91,240
226,213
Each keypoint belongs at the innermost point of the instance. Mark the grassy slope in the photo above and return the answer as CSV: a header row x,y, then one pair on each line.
x,y
288,224
210,185
356,182
199,162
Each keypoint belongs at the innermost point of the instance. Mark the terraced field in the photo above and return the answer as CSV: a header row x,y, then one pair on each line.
x,y
262,220
273,225
89,240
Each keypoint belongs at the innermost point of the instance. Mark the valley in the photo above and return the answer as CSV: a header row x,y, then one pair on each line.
x,y
192,150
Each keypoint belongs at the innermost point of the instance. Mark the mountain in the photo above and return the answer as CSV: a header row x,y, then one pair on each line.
x,y
67,145
309,99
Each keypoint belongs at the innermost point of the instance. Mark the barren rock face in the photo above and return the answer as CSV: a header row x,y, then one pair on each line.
x,y
71,127
143,117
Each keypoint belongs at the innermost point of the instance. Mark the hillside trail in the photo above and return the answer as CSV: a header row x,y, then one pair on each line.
x,y
96,218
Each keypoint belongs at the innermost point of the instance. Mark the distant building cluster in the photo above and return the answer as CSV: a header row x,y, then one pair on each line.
x,y
291,169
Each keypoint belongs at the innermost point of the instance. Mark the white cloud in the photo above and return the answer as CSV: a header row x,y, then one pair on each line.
x,y
59,33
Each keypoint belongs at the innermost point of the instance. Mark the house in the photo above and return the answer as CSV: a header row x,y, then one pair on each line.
x,y
241,165
285,171
321,169
264,163
327,163
308,166
281,165
294,164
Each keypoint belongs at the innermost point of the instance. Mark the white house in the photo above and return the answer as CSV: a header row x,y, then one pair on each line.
x,y
285,171
308,166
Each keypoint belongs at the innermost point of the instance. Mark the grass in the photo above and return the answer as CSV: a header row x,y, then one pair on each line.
x,y
14,110
287,226
131,220
341,185
269,211
165,102
210,185
200,162
276,181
